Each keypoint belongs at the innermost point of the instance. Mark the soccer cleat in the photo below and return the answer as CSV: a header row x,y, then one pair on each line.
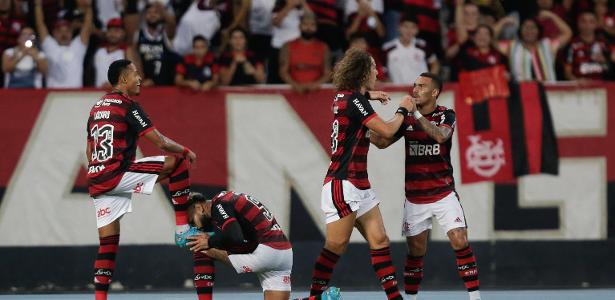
x,y
332,293
182,238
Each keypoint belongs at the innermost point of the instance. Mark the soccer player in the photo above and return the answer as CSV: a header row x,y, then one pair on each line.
x,y
347,199
245,236
114,126
430,186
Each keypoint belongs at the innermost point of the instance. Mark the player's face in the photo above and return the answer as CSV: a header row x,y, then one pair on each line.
x,y
133,80
373,75
424,91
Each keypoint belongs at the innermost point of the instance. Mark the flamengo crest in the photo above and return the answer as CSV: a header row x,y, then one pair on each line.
x,y
485,157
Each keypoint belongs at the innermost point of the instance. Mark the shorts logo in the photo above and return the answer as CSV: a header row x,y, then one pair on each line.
x,y
103,211
458,220
406,226
138,187
247,269
286,279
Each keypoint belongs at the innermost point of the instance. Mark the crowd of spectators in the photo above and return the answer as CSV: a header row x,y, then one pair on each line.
x,y
202,44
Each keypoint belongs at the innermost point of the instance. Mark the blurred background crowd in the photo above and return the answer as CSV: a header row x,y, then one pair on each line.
x,y
201,44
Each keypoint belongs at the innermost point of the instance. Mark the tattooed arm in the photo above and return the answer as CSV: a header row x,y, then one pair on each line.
x,y
439,133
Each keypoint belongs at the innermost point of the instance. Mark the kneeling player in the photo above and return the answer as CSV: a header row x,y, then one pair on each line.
x,y
246,230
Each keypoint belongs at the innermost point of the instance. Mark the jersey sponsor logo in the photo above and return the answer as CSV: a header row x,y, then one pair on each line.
x,y
103,211
222,211
107,102
416,149
103,114
360,107
95,169
485,157
138,117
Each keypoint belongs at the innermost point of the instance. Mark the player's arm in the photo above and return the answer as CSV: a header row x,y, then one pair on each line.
x,y
140,122
440,133
390,128
88,150
231,234
168,145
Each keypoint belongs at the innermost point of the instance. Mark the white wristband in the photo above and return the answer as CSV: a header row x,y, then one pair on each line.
x,y
417,114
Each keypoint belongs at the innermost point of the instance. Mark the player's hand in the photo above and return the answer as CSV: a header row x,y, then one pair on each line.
x,y
381,96
408,103
191,156
200,242
194,85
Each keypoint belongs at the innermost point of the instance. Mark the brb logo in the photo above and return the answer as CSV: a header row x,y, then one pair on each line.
x,y
485,157
103,212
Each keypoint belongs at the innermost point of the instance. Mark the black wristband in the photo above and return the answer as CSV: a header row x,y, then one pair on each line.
x,y
402,110
366,95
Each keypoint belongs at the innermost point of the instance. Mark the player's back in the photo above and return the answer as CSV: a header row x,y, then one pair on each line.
x,y
113,128
429,172
257,222
350,139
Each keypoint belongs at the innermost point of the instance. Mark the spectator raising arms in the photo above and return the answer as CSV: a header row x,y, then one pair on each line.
x,y
201,18
305,62
24,65
532,56
238,65
197,70
64,53
467,16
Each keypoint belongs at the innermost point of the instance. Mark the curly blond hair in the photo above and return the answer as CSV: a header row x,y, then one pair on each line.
x,y
352,71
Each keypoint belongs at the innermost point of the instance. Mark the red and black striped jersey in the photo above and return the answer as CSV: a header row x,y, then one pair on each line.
x,y
589,59
429,172
257,223
113,128
350,139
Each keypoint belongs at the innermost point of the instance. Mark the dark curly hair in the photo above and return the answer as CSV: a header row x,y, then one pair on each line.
x,y
352,71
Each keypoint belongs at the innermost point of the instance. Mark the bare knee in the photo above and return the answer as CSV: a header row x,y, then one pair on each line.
x,y
417,245
458,238
337,245
379,241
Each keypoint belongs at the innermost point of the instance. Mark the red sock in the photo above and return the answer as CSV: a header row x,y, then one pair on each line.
x,y
179,187
323,268
468,271
104,265
204,275
381,261
413,274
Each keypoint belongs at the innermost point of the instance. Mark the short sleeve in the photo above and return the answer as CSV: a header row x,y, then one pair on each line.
x,y
360,109
138,119
402,129
448,119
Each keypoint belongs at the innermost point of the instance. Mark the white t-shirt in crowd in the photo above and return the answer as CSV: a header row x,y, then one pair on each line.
x,y
65,63
260,17
24,69
288,29
195,22
102,60
405,64
352,6
107,10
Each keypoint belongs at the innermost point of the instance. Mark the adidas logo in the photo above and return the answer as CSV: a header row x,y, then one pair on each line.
x,y
458,220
